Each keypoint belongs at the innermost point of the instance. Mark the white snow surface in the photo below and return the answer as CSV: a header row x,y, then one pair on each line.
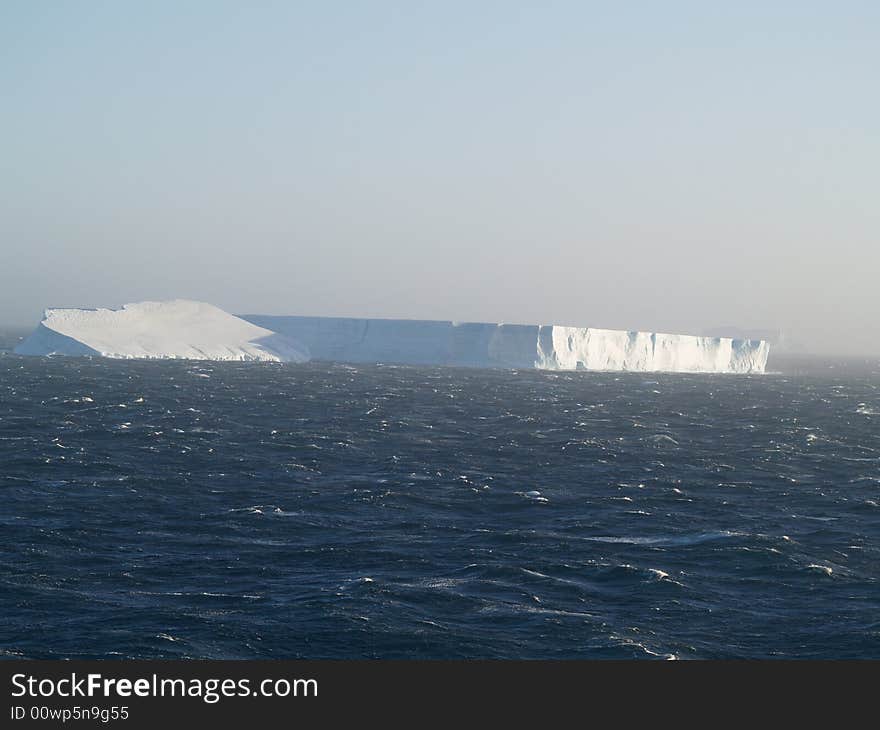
x,y
178,329
547,347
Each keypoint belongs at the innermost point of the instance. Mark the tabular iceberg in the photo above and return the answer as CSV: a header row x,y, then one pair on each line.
x,y
179,329
197,331
547,347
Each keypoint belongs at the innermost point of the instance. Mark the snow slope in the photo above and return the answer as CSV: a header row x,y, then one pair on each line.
x,y
175,329
549,347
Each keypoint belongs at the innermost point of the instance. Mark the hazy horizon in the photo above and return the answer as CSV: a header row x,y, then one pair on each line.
x,y
671,167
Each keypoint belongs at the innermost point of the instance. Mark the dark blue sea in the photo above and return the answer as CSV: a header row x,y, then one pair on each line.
x,y
180,509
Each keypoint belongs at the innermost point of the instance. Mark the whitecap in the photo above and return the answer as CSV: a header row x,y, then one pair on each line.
x,y
821,568
691,539
659,438
534,573
256,509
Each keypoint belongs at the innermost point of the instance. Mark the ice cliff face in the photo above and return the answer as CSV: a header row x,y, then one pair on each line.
x,y
574,348
549,347
178,329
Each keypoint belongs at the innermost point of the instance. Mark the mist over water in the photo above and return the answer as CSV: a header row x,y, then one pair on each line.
x,y
181,509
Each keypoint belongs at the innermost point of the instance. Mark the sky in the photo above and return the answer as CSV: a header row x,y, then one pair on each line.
x,y
670,166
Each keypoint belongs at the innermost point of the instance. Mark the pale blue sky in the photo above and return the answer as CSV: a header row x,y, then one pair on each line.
x,y
669,166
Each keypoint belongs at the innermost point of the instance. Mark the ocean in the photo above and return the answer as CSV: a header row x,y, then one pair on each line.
x,y
220,510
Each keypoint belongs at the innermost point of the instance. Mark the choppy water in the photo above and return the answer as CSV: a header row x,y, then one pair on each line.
x,y
172,509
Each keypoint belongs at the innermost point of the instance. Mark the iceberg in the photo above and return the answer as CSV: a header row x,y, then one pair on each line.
x,y
546,347
178,329
183,329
